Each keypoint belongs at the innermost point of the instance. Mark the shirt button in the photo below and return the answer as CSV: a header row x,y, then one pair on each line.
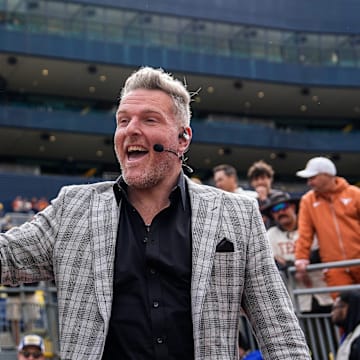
x,y
155,304
145,240
159,340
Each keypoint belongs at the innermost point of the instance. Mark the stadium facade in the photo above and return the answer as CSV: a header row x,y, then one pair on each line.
x,y
275,80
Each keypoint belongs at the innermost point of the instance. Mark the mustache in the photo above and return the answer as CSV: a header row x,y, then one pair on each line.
x,y
283,216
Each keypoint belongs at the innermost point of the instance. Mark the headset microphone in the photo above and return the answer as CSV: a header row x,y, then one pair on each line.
x,y
160,148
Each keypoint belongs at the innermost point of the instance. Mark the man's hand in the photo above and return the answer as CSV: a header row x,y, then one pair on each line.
x,y
301,273
301,265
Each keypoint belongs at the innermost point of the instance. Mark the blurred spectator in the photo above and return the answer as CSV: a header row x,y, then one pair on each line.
x,y
331,210
282,209
5,223
262,192
346,314
261,176
34,201
263,200
21,205
22,306
31,346
41,204
17,204
225,178
245,352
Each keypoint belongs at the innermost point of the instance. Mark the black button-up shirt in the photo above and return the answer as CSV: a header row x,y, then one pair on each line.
x,y
151,310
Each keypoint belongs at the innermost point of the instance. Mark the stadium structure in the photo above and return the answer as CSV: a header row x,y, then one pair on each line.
x,y
273,80
282,88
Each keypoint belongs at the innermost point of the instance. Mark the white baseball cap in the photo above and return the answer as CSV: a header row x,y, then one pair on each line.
x,y
32,340
316,166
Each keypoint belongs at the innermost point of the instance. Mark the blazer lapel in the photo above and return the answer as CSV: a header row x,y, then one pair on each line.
x,y
104,224
206,212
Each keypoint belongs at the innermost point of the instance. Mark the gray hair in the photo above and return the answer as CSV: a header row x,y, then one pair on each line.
x,y
158,79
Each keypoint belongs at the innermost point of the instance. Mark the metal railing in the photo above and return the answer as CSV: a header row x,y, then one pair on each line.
x,y
294,292
21,314
322,336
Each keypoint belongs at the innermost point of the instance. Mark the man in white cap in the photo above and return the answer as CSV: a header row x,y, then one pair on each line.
x,y
31,347
331,210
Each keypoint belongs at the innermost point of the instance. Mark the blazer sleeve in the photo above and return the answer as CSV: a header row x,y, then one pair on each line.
x,y
266,301
26,251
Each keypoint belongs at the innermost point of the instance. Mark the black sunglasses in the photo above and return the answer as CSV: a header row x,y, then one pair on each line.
x,y
34,354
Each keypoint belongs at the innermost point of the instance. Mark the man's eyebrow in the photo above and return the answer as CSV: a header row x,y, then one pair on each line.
x,y
145,111
149,111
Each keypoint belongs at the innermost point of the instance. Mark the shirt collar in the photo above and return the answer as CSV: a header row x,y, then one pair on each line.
x,y
120,189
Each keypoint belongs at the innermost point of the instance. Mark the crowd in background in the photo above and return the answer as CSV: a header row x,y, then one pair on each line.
x,y
20,210
323,225
22,309
282,213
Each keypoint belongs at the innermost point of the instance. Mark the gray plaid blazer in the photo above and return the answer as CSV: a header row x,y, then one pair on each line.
x,y
73,242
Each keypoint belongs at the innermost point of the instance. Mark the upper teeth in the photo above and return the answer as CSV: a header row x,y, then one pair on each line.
x,y
136,148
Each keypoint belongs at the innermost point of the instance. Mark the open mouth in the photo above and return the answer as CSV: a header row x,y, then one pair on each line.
x,y
136,152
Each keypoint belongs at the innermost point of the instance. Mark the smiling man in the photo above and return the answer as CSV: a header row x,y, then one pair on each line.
x,y
153,265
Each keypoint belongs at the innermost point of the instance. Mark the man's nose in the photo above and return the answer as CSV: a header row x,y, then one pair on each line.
x,y
133,127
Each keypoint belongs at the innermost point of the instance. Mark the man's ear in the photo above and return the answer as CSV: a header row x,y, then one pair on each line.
x,y
185,137
186,133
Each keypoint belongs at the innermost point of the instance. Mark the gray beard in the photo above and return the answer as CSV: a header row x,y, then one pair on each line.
x,y
150,178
